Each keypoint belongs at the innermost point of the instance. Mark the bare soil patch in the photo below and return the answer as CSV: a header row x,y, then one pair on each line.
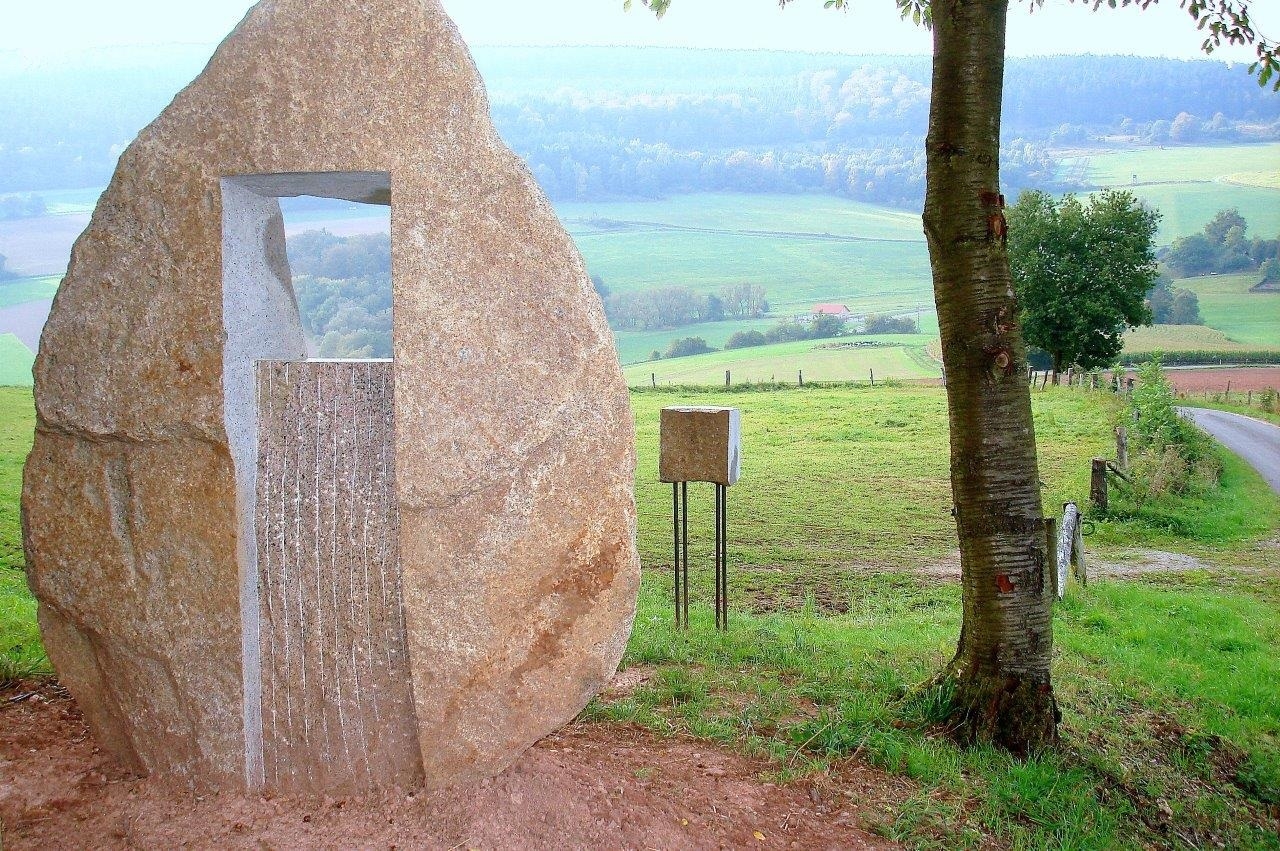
x,y
1131,563
589,786
1216,380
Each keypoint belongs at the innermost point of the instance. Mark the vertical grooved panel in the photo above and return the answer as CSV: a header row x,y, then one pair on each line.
x,y
337,707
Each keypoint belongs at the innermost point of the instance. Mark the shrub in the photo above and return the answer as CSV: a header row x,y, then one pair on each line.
x,y
786,331
1170,454
745,340
824,326
890,325
687,346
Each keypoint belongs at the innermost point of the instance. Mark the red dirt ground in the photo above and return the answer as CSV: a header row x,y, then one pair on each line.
x,y
589,786
1215,380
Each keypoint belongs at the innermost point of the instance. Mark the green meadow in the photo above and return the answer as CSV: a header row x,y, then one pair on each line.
x,y
23,290
15,362
802,249
1189,184
843,359
1245,317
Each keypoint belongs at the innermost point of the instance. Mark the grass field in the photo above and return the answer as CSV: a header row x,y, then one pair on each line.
x,y
1175,338
802,249
23,290
891,356
1245,317
15,362
1170,688
1190,184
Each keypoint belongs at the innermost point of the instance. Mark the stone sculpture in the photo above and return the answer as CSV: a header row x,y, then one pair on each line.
x,y
472,573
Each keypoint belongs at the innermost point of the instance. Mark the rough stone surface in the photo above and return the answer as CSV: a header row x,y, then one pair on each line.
x,y
337,708
700,445
513,440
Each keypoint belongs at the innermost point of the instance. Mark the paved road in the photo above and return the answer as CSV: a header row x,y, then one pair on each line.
x,y
1253,440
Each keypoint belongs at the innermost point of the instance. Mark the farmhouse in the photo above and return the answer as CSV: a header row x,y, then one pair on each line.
x,y
839,310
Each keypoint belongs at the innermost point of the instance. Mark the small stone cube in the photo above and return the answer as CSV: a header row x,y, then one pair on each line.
x,y
700,445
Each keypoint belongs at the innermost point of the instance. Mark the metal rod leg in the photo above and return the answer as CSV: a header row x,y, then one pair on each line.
x,y
724,556
675,531
717,573
684,547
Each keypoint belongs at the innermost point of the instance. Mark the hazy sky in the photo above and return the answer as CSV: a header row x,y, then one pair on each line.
x,y
51,28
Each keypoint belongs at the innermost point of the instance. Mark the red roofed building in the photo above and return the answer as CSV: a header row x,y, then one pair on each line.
x,y
839,310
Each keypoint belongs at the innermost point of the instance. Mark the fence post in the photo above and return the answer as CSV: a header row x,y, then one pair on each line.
x,y
801,378
1077,555
1122,447
873,378
726,378
653,380
1067,536
1098,484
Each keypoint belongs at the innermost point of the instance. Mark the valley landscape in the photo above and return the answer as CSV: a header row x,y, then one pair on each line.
x,y
689,177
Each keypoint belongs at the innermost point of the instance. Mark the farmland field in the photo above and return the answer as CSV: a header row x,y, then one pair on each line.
x,y
1172,338
801,248
23,290
1245,317
15,362
1188,184
895,356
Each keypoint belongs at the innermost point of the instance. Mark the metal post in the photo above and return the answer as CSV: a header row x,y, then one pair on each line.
x,y
675,527
684,555
722,557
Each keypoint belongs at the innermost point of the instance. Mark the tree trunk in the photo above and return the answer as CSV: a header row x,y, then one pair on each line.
x,y
1000,673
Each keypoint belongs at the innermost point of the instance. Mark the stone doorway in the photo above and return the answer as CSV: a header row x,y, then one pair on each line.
x,y
327,697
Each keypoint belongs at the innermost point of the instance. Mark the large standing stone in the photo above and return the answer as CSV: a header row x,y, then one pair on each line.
x,y
512,438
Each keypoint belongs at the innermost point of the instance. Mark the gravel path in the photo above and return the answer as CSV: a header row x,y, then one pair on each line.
x,y
1253,440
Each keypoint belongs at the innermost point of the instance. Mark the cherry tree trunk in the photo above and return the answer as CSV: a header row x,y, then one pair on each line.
x,y
1000,673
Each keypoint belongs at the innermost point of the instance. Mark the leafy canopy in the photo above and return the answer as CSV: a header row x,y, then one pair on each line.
x,y
1082,272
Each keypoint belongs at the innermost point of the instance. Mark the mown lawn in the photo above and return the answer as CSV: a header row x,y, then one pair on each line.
x,y
1169,685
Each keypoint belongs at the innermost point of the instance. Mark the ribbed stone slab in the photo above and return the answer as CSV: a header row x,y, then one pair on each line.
x,y
337,709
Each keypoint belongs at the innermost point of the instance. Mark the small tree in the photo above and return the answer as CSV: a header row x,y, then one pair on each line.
x,y
687,346
1082,272
745,339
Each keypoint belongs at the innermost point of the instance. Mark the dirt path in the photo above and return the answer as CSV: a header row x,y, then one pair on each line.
x,y
1253,440
590,786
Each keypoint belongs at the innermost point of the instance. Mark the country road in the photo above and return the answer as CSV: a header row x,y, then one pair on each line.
x,y
1253,440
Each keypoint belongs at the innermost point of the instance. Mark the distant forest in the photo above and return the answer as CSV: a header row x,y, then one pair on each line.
x,y
613,123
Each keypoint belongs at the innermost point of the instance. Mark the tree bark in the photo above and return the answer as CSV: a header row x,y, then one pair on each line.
x,y
1000,673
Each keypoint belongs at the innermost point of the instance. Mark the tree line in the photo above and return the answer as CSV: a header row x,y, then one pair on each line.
x,y
597,123
343,287
673,307
1223,247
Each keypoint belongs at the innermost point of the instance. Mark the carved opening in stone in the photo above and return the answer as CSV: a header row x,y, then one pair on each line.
x,y
326,676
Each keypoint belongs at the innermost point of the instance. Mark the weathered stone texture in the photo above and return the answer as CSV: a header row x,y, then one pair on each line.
x,y
513,438
699,444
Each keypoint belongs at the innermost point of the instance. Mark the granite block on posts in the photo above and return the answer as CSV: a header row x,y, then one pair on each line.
x,y
700,444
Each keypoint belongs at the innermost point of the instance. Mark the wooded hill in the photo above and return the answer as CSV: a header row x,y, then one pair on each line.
x,y
600,123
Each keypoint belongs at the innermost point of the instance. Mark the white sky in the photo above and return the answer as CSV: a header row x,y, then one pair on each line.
x,y
52,28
